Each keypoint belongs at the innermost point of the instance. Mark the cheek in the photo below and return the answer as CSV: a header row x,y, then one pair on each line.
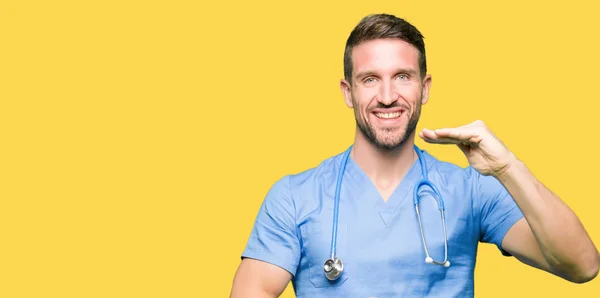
x,y
359,100
412,96
364,98
364,107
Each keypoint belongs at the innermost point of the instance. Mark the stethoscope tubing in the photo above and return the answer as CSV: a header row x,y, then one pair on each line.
x,y
332,274
337,202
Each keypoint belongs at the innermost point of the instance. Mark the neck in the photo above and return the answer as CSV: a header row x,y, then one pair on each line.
x,y
383,167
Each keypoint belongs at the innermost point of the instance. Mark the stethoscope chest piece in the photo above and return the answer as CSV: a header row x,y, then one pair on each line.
x,y
333,268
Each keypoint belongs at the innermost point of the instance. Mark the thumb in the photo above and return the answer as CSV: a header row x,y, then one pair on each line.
x,y
466,149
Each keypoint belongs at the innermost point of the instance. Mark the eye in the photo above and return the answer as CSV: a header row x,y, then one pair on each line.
x,y
403,77
369,80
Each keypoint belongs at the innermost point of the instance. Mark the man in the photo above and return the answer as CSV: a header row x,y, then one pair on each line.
x,y
387,247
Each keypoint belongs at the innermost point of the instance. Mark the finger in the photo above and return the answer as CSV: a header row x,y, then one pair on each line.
x,y
465,148
460,133
429,136
443,141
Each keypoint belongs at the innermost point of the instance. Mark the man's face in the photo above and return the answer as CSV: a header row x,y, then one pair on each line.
x,y
386,91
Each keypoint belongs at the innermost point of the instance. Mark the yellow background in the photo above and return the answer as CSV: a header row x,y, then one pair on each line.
x,y
140,137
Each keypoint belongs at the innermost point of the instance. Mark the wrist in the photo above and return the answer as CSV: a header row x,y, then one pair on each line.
x,y
510,170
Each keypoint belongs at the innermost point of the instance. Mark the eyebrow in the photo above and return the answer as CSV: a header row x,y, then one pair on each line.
x,y
366,73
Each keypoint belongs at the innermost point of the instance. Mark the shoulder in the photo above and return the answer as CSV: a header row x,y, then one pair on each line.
x,y
323,171
294,184
448,171
464,178
467,177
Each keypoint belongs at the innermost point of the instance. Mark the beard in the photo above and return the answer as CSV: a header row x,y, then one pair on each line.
x,y
386,138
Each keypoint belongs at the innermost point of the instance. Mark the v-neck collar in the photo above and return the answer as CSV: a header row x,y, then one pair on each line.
x,y
369,196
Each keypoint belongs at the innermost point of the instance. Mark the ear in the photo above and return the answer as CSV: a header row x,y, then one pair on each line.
x,y
346,91
426,86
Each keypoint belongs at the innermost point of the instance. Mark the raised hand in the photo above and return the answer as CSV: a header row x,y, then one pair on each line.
x,y
484,151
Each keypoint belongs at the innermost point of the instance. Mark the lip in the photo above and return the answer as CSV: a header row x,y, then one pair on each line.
x,y
390,110
399,110
388,121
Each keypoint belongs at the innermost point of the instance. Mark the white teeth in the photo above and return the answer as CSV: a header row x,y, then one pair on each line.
x,y
388,115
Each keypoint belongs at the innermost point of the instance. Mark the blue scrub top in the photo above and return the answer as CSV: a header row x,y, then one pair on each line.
x,y
380,242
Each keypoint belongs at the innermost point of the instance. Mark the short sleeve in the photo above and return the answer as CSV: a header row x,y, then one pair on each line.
x,y
498,211
274,237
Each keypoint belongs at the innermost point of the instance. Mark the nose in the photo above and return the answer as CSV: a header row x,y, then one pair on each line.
x,y
388,93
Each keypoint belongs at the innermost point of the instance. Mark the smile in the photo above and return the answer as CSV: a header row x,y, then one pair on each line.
x,y
388,115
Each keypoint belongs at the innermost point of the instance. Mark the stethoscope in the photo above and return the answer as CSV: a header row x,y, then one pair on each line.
x,y
334,266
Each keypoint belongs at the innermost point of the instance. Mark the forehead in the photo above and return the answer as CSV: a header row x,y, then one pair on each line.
x,y
385,55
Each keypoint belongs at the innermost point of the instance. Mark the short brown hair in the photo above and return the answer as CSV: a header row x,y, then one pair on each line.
x,y
378,26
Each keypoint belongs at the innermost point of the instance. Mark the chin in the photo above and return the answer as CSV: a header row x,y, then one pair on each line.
x,y
390,141
385,138
388,144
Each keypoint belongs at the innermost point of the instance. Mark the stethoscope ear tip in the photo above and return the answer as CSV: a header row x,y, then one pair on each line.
x,y
429,260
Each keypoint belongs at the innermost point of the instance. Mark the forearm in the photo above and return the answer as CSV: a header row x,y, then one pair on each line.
x,y
250,292
561,237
